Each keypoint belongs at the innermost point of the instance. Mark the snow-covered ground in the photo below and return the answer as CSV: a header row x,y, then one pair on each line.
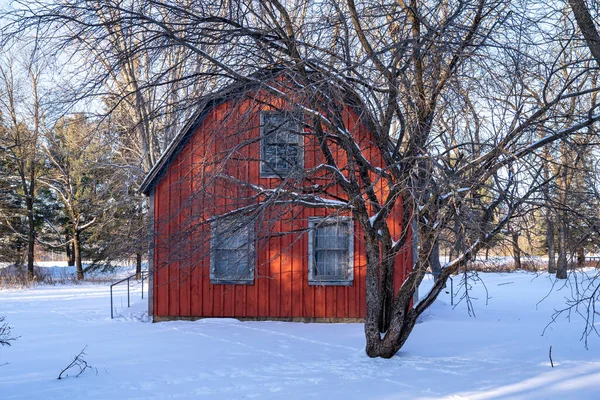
x,y
500,354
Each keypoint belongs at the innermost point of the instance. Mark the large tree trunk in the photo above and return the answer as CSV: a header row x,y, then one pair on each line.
x,y
77,254
516,250
403,315
373,298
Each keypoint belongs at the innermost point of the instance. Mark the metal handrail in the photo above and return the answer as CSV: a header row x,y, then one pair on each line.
x,y
144,274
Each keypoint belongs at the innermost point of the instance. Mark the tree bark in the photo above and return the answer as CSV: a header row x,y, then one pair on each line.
x,y
562,265
373,299
587,27
387,294
138,265
550,243
77,255
434,261
30,235
580,257
516,250
70,255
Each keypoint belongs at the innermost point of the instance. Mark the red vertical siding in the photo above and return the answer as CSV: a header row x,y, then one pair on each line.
x,y
184,196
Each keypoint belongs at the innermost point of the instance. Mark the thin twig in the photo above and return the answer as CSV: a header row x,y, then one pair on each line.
x,y
78,361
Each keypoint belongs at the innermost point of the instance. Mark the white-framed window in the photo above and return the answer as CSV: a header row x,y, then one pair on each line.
x,y
281,144
232,256
331,251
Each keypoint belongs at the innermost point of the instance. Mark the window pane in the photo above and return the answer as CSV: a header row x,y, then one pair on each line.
x,y
231,251
331,250
232,264
279,128
281,136
334,236
331,263
280,144
281,157
231,237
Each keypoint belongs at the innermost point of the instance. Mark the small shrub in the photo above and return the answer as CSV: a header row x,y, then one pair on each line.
x,y
5,336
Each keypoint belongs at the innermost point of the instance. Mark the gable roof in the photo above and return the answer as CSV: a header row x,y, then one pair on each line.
x,y
234,91
206,104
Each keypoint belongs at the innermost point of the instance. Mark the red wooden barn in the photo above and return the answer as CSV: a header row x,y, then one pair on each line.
x,y
227,243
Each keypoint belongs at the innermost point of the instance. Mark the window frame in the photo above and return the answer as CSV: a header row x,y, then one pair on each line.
x,y
244,223
264,169
313,279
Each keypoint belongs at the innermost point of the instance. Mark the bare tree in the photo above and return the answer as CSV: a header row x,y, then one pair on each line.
x,y
441,85
21,101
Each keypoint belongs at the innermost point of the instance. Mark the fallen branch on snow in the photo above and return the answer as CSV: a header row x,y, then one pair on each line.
x,y
78,362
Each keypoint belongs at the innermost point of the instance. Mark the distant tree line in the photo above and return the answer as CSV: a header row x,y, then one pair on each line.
x,y
66,184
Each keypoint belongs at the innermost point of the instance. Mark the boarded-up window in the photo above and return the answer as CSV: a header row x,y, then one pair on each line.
x,y
331,251
281,144
232,251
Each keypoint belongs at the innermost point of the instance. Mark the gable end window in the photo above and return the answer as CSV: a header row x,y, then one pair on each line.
x,y
281,150
331,251
232,251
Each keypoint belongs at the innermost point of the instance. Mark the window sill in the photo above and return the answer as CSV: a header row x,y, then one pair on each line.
x,y
222,281
269,175
317,282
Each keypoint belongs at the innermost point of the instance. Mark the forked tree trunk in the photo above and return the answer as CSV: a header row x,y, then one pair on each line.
x,y
403,315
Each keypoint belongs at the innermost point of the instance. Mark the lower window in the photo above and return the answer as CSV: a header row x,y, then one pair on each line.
x,y
331,251
232,251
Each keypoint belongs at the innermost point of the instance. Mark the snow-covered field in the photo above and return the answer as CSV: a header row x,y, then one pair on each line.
x,y
500,354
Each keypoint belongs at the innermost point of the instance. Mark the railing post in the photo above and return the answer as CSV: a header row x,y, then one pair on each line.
x,y
128,292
